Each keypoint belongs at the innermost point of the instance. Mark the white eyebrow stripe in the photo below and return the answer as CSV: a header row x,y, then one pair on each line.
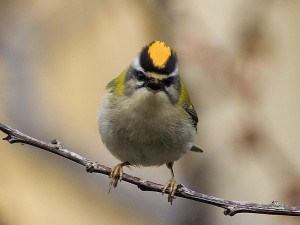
x,y
136,64
174,73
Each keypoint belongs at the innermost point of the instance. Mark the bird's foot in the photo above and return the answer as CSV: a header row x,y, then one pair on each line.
x,y
171,186
116,174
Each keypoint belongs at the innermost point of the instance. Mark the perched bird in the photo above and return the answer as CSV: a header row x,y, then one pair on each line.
x,y
147,118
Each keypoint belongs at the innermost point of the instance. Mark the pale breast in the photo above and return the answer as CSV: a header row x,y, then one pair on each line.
x,y
150,132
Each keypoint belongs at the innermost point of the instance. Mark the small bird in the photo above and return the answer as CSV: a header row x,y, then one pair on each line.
x,y
147,118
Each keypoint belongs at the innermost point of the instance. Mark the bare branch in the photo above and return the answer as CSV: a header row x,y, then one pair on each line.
x,y
231,207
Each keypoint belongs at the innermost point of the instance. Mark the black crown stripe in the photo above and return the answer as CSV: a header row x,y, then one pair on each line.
x,y
148,65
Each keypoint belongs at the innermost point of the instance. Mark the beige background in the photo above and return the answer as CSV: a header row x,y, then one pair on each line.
x,y
240,60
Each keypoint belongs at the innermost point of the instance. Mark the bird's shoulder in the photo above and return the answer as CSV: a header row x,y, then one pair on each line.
x,y
185,102
117,85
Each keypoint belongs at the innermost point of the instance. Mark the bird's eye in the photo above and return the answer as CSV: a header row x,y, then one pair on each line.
x,y
168,81
140,76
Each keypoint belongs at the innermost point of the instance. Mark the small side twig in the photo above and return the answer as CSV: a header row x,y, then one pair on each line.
x,y
230,207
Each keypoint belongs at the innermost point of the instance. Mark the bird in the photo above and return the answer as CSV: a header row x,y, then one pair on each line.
x,y
147,118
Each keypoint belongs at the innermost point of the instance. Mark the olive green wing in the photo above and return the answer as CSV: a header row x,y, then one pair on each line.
x,y
189,108
117,85
192,112
185,102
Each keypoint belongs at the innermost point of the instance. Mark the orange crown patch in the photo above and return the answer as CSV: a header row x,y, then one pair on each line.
x,y
159,53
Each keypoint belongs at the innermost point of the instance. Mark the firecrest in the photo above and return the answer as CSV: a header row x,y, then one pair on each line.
x,y
147,118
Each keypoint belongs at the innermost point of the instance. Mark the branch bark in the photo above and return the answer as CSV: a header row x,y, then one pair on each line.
x,y
230,207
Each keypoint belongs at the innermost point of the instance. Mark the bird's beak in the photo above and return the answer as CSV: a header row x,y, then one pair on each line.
x,y
154,85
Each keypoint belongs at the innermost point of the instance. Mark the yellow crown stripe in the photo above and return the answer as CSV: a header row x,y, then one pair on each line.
x,y
159,53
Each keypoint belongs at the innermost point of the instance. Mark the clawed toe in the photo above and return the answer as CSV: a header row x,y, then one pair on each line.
x,y
116,174
171,186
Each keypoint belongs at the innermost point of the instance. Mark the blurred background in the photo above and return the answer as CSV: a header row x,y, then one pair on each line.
x,y
240,61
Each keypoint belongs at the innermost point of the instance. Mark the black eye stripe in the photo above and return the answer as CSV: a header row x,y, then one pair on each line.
x,y
140,76
168,81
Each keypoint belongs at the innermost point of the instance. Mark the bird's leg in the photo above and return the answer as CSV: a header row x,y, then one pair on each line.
x,y
171,184
116,174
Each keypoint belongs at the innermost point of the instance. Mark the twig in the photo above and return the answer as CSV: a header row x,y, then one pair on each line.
x,y
231,207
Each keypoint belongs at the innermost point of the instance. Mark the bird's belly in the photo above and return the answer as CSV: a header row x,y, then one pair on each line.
x,y
148,146
147,135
